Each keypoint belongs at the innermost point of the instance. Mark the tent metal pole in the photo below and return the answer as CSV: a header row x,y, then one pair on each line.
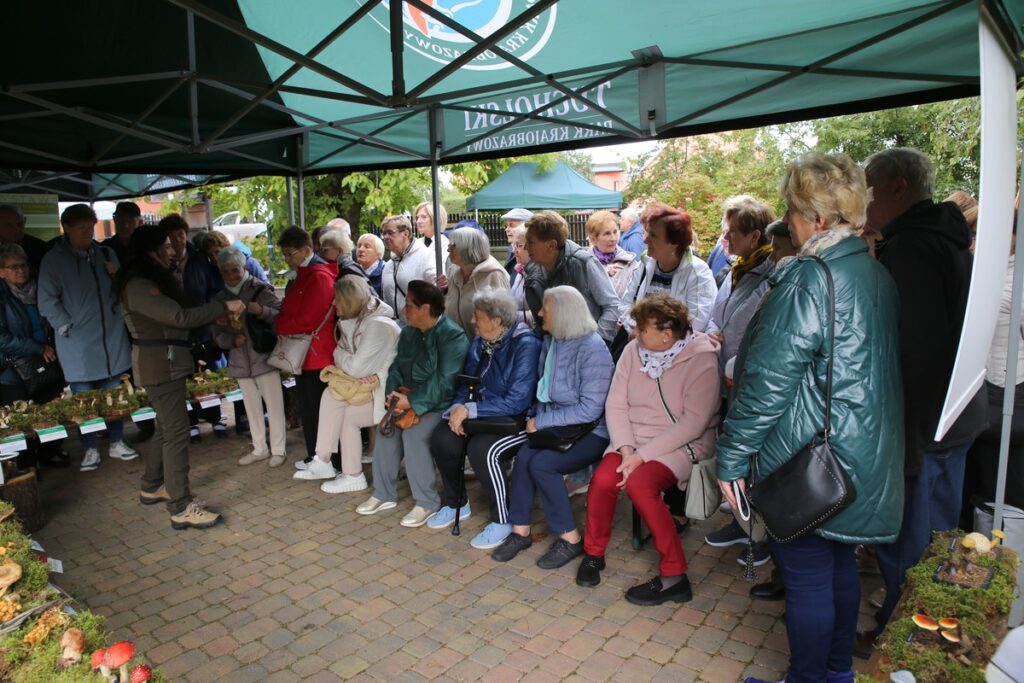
x,y
193,86
302,200
435,155
1010,389
291,200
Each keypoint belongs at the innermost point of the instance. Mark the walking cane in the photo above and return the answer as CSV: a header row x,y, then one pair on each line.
x,y
470,383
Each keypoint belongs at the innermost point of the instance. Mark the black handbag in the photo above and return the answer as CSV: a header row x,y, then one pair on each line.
x,y
261,333
501,425
559,438
43,380
812,486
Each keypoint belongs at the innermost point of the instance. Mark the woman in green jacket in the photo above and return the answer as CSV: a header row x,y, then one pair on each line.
x,y
431,353
779,405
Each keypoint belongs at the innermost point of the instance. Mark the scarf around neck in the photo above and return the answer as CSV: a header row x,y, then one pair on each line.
x,y
241,283
820,241
741,266
653,363
26,294
604,258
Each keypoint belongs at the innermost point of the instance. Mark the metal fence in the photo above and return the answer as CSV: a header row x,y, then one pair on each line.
x,y
491,222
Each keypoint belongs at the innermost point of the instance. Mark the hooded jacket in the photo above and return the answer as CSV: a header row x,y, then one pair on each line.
x,y
367,346
309,304
458,303
508,377
577,268
245,361
580,376
637,416
76,296
427,363
927,251
779,403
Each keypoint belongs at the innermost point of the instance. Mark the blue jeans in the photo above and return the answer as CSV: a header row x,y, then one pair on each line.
x,y
542,471
931,502
822,600
115,427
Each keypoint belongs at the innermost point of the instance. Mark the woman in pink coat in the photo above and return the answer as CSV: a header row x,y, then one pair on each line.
x,y
662,411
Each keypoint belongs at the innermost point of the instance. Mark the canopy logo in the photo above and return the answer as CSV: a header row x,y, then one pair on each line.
x,y
435,40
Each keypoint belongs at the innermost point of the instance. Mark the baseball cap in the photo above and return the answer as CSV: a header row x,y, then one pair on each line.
x,y
128,209
518,215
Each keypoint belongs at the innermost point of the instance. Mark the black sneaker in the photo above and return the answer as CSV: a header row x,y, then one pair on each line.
x,y
560,554
589,573
651,593
511,546
220,430
731,534
193,434
761,555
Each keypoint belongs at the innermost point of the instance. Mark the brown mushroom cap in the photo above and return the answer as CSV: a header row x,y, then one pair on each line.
x,y
949,623
119,654
73,638
951,636
925,622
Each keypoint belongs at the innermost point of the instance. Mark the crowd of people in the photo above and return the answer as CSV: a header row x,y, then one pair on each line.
x,y
623,363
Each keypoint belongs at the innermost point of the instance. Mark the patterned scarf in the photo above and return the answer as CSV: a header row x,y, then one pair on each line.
x,y
742,266
604,258
820,241
26,294
653,363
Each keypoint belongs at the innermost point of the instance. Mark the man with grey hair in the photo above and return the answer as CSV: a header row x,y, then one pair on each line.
x,y
12,231
632,232
925,246
341,225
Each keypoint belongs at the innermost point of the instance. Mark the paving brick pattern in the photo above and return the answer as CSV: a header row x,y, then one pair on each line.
x,y
294,585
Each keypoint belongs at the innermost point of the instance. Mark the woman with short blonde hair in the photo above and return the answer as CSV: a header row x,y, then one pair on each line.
x,y
603,236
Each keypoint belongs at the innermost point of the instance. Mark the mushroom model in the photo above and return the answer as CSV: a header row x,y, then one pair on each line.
x,y
98,663
141,674
72,646
118,655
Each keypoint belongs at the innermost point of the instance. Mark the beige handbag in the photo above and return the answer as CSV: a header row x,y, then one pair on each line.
x,y
290,351
702,493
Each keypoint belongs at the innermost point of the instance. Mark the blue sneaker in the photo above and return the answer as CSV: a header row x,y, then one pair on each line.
x,y
446,517
492,536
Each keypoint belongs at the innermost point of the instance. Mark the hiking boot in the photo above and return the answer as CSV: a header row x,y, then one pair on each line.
x,y
194,516
154,497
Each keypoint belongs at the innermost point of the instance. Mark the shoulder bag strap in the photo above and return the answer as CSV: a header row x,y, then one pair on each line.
x,y
692,454
831,345
324,321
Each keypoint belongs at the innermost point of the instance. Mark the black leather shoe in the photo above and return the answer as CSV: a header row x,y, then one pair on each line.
x,y
589,573
560,554
769,590
864,644
511,546
651,593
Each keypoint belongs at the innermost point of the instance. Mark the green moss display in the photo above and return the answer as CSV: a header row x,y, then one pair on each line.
x,y
982,613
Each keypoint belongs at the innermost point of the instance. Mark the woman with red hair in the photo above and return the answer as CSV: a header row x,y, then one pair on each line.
x,y
672,267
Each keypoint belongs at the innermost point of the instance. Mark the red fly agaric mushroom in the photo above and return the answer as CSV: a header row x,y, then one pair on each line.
x,y
141,674
72,645
97,663
118,655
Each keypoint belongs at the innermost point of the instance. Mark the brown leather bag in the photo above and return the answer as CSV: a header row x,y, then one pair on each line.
x,y
393,420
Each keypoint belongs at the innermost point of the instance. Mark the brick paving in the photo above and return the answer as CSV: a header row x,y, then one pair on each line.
x,y
294,585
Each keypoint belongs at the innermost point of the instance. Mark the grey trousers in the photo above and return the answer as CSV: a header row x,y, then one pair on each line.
x,y
414,445
166,458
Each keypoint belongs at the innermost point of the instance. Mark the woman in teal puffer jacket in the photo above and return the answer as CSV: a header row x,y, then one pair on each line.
x,y
779,405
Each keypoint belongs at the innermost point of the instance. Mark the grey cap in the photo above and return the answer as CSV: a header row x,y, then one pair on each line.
x,y
779,228
518,215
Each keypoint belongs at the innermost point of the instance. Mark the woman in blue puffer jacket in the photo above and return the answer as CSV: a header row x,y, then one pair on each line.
x,y
575,374
503,355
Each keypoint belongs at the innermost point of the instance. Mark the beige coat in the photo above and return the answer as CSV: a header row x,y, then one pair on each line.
x,y
459,301
151,315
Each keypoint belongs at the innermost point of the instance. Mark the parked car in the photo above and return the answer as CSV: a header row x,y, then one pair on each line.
x,y
234,224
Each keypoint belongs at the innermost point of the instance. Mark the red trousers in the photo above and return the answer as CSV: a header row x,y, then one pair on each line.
x,y
644,487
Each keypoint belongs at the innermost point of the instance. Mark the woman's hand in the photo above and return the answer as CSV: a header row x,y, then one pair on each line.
x,y
49,355
441,281
401,401
254,307
726,487
239,341
613,269
235,306
369,379
531,425
629,464
717,336
457,417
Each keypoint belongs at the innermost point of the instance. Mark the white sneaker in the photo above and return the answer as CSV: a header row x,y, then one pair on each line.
x,y
251,458
90,460
122,451
302,465
373,505
317,469
345,483
418,516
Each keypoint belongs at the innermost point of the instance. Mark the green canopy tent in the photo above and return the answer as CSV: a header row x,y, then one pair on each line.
x,y
525,186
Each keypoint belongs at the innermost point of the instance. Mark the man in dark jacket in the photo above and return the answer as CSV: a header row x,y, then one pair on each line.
x,y
127,219
12,230
925,247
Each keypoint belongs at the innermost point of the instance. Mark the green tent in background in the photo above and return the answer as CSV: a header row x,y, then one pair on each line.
x,y
559,187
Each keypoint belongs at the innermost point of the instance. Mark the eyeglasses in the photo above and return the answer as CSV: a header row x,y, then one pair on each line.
x,y
288,253
388,233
